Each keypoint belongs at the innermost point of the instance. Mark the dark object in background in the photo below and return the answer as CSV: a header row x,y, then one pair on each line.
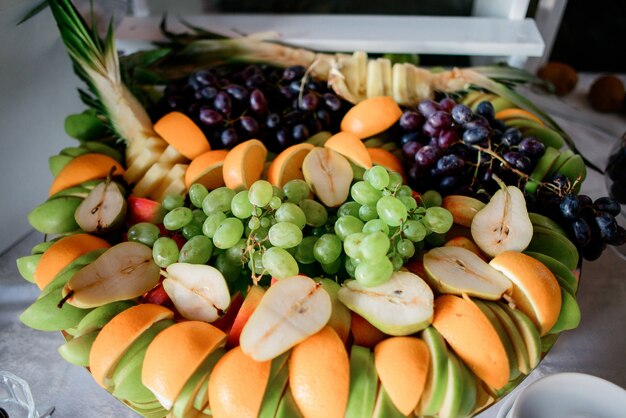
x,y
606,94
562,76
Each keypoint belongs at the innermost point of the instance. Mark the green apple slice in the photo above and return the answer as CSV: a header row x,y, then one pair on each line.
x,y
565,277
435,389
540,220
528,331
72,268
401,306
569,317
363,383
99,317
384,407
276,384
287,407
42,247
26,266
469,392
45,315
184,403
76,350
201,401
523,363
455,386
555,245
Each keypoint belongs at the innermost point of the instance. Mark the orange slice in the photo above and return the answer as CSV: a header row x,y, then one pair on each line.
x,y
175,354
319,375
350,146
84,168
371,116
402,364
206,169
118,335
515,112
178,130
470,334
62,253
383,157
244,164
288,164
237,385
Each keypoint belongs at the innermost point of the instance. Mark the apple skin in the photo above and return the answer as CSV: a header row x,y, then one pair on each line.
x,y
141,209
248,306
466,243
340,318
225,322
462,208
364,333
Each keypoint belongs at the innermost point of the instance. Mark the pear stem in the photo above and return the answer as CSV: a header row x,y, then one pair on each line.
x,y
65,299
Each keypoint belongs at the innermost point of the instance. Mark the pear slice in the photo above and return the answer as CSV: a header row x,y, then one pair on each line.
x,y
457,270
123,272
503,225
198,291
291,310
103,210
328,174
401,306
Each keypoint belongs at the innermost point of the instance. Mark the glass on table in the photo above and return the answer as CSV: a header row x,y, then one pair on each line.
x,y
16,401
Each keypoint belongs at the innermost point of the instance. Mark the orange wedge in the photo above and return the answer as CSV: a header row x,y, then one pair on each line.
x,y
371,116
515,112
536,291
206,169
62,253
84,168
288,164
383,157
470,334
319,375
402,365
175,354
118,335
244,164
237,385
178,130
350,146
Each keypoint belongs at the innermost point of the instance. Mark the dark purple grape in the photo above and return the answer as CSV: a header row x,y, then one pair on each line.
x,y
409,137
532,147
560,181
485,109
581,232
324,117
594,249
209,116
255,81
229,137
618,190
332,102
450,164
273,120
300,132
447,138
410,148
428,107
284,138
222,103
286,92
258,102
204,78
176,102
620,237
249,124
309,102
585,201
440,120
462,114
171,90
475,135
511,137
426,156
411,120
251,70
293,73
295,87
570,207
447,183
518,160
313,125
479,120
608,205
497,124
237,92
447,104
607,224
430,130
208,92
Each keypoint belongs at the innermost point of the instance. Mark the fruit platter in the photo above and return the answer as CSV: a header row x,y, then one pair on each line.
x,y
306,234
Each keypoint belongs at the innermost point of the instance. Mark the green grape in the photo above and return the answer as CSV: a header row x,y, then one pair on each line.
x,y
346,225
198,217
431,198
352,245
364,193
218,200
240,206
261,193
279,263
304,251
414,230
391,210
237,253
275,202
376,225
278,192
228,233
255,264
396,261
177,218
257,211
197,250
229,269
374,245
212,222
350,266
144,232
165,252
191,230
327,248
408,201
333,267
197,193
315,212
404,191
377,176
254,223
395,180
290,212
173,201
438,219
260,234
435,240
349,208
296,190
265,222
373,272
367,213
405,248
318,231
357,171
285,235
